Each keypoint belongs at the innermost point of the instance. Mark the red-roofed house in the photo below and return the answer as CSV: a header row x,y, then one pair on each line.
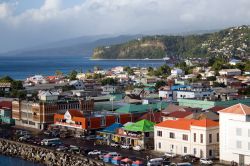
x,y
153,117
176,115
188,136
235,134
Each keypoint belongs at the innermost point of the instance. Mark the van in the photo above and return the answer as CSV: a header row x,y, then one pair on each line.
x,y
155,162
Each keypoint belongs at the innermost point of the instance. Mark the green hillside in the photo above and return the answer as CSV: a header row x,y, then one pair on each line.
x,y
226,43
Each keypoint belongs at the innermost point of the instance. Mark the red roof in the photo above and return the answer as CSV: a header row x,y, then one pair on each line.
x,y
237,109
185,124
6,104
75,113
216,108
153,117
179,114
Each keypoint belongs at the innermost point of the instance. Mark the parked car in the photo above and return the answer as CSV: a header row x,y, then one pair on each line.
x,y
126,147
95,152
24,138
114,144
86,151
62,148
90,137
138,148
189,158
206,161
155,162
74,149
100,157
169,154
114,154
183,164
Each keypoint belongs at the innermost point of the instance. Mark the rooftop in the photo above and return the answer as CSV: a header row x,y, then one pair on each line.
x,y
185,124
237,109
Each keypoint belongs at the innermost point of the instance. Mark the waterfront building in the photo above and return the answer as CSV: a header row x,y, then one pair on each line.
x,y
188,136
39,114
235,134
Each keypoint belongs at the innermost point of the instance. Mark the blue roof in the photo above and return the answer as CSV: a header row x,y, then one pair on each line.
x,y
112,128
176,87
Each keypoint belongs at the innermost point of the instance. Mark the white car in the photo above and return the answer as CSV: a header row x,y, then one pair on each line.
x,y
206,161
95,152
168,154
137,148
114,144
125,146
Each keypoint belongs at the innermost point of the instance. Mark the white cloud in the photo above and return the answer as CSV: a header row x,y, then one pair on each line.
x,y
52,22
5,10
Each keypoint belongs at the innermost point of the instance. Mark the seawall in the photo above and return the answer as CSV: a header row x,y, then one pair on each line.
x,y
44,156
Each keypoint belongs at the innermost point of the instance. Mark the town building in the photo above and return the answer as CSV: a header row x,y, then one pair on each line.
x,y
187,136
5,87
235,134
40,114
230,72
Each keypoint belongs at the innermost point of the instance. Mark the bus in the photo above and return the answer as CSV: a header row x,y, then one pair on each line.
x,y
51,142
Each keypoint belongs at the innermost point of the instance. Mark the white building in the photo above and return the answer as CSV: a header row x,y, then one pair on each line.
x,y
235,134
177,72
78,84
230,72
109,89
37,79
48,95
187,136
234,62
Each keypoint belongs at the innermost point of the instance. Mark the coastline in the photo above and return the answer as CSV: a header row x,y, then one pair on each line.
x,y
43,156
126,59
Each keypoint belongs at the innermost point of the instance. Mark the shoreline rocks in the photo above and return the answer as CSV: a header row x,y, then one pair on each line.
x,y
44,156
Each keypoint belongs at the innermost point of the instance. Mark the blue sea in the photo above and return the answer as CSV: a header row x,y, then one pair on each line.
x,y
13,161
23,67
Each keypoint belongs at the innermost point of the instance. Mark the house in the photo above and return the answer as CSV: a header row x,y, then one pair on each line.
x,y
177,72
230,72
235,134
5,87
187,136
152,116
176,115
6,112
78,84
89,122
110,89
48,95
36,79
108,132
234,62
140,133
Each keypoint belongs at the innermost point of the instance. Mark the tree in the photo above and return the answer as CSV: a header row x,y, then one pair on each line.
x,y
58,73
159,84
129,70
109,81
72,75
6,79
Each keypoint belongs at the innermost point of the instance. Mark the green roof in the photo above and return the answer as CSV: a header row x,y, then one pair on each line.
x,y
142,126
141,108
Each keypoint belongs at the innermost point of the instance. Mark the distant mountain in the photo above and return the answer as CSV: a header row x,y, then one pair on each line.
x,y
226,43
81,46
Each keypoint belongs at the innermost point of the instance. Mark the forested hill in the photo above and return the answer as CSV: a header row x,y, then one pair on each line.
x,y
226,43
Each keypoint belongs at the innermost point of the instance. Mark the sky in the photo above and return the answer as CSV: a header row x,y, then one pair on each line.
x,y
27,23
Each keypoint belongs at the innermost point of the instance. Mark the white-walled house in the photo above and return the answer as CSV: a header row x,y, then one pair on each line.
x,y
230,72
187,136
48,95
235,134
177,72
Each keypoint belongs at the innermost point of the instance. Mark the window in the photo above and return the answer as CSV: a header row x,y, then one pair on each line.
x,y
201,138
117,119
88,123
103,121
248,132
159,133
218,137
210,138
238,144
210,153
194,137
159,145
195,151
171,135
238,131
185,137
185,149
147,134
248,145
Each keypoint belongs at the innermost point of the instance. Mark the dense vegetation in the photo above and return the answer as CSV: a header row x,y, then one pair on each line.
x,y
226,43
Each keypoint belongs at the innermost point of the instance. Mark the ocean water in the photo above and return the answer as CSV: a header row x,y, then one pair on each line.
x,y
13,161
23,67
